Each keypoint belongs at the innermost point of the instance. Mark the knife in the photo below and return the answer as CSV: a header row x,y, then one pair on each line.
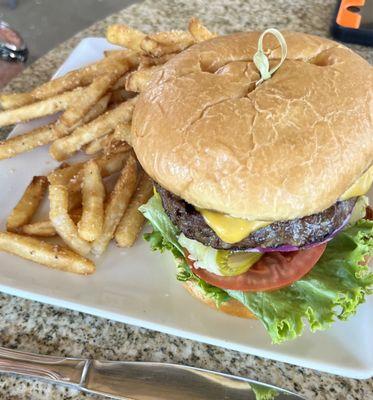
x,y
136,380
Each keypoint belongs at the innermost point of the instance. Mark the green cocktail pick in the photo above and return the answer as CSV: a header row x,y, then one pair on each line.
x,y
261,60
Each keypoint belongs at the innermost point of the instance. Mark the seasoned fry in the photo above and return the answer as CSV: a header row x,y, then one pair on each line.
x,y
121,82
93,192
149,61
92,94
70,81
40,229
62,176
72,175
161,43
46,228
28,204
67,146
123,132
108,144
62,222
137,81
51,255
109,165
117,204
172,37
125,36
115,146
199,32
14,100
98,144
93,113
119,96
110,53
132,220
39,109
29,140
46,134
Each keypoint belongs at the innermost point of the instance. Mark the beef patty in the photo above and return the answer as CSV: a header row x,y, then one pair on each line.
x,y
297,232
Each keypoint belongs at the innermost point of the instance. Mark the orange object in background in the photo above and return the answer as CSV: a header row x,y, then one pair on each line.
x,y
347,17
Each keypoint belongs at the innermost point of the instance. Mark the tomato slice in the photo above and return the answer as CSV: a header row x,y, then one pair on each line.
x,y
273,271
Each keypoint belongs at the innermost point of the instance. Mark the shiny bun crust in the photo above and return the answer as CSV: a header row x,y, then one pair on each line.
x,y
231,307
284,149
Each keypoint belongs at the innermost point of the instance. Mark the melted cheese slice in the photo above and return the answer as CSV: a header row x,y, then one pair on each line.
x,y
230,229
360,187
233,230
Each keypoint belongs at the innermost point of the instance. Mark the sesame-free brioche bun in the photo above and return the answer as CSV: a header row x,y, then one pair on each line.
x,y
287,148
231,307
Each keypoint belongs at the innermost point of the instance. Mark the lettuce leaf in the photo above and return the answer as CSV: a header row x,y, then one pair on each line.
x,y
165,232
332,290
164,237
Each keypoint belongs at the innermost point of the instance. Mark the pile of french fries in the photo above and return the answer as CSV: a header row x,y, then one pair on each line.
x,y
95,106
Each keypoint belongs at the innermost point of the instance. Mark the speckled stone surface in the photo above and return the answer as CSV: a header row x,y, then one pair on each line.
x,y
31,326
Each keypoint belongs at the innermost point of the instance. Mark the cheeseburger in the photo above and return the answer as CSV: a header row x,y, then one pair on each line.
x,y
260,179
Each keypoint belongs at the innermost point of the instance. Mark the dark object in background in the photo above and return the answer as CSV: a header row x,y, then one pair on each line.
x,y
12,46
353,22
13,53
12,4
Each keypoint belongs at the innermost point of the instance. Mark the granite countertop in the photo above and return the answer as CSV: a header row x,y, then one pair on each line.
x,y
31,326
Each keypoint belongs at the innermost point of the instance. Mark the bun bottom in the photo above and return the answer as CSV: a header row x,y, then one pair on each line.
x,y
231,307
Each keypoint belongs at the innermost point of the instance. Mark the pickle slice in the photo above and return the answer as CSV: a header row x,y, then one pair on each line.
x,y
231,264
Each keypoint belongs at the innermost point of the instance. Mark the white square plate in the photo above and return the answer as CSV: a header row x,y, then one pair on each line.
x,y
139,287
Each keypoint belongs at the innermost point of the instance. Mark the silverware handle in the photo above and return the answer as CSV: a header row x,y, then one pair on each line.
x,y
71,371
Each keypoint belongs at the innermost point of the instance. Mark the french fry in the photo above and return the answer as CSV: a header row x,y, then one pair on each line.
x,y
123,132
70,81
15,100
133,220
28,204
98,144
199,32
39,229
93,192
161,43
114,146
46,228
109,165
63,176
108,144
137,81
29,140
125,36
110,53
119,96
172,37
117,204
62,222
104,124
150,61
46,134
145,62
72,175
63,165
92,94
121,82
51,255
39,109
